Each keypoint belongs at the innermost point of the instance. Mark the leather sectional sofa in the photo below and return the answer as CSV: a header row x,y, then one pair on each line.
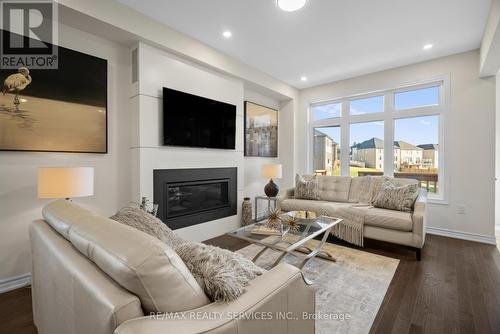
x,y
94,275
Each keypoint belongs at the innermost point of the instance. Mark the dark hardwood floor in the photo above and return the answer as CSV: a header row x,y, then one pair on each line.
x,y
16,315
454,289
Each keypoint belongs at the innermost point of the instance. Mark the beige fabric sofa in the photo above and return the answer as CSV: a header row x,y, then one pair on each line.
x,y
403,228
94,275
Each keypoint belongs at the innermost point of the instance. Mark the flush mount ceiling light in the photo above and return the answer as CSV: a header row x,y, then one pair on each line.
x,y
427,46
303,78
290,5
227,34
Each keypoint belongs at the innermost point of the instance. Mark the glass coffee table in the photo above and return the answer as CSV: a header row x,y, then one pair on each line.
x,y
292,240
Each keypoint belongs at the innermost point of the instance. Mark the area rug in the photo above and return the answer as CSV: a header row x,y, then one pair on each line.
x,y
349,292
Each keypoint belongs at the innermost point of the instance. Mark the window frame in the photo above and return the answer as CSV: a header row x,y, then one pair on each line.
x,y
388,116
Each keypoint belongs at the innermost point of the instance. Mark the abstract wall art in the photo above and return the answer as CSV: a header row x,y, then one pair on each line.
x,y
261,131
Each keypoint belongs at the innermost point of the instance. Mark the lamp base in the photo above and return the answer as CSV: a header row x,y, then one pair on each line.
x,y
271,189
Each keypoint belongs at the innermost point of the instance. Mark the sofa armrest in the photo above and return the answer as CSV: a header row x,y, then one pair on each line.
x,y
419,218
288,193
274,302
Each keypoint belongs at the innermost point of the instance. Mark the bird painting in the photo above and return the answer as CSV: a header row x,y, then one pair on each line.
x,y
17,82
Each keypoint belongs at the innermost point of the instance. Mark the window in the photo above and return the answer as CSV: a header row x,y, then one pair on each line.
x,y
417,146
367,148
368,105
326,152
417,98
412,123
326,111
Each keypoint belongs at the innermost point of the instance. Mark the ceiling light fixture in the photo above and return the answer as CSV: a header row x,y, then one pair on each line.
x,y
290,5
303,78
428,46
227,34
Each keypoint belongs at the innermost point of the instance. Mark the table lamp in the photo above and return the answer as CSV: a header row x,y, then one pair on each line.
x,y
272,171
65,182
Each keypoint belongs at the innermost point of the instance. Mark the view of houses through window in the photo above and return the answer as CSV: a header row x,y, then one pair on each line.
x,y
367,148
416,148
327,150
415,114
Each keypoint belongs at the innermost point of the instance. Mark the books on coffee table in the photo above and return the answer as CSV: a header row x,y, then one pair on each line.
x,y
266,230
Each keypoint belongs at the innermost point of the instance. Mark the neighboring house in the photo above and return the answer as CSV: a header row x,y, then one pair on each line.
x,y
371,152
430,155
409,154
325,152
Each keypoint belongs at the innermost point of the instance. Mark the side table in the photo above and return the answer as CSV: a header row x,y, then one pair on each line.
x,y
264,206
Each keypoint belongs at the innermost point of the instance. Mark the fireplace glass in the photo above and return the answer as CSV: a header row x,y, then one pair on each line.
x,y
192,197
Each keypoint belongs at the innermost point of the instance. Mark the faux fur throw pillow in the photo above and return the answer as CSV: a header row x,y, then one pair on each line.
x,y
393,197
149,224
305,189
221,273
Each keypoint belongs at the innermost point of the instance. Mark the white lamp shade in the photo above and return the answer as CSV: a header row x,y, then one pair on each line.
x,y
65,182
272,171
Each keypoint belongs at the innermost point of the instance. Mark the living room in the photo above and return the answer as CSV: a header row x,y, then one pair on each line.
x,y
283,166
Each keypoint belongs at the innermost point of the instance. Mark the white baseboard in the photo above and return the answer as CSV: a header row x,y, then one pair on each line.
x,y
486,239
16,282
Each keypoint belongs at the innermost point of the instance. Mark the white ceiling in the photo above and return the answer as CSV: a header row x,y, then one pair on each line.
x,y
327,40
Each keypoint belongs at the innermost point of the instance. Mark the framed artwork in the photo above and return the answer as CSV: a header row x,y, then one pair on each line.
x,y
261,131
55,110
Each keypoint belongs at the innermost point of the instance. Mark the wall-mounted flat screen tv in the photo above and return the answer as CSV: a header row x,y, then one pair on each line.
x,y
195,121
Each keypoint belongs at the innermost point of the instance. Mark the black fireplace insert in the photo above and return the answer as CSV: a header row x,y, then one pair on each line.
x,y
187,197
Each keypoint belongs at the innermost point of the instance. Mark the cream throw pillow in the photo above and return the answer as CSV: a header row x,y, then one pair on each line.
x,y
306,189
396,198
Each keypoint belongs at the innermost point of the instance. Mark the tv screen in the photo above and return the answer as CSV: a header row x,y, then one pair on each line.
x,y
195,121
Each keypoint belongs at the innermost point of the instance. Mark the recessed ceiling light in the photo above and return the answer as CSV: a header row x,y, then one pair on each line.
x,y
290,5
303,78
428,46
227,34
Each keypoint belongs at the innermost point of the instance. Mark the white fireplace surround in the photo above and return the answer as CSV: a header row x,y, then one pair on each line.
x,y
158,69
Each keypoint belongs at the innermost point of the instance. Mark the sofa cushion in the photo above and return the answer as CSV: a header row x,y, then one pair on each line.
x,y
334,188
397,198
390,219
320,207
306,187
61,215
147,223
138,262
224,275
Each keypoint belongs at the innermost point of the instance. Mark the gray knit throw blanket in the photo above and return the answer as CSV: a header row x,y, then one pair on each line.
x,y
351,228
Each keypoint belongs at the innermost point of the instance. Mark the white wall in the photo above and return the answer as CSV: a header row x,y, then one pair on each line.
x,y
497,153
124,23
254,182
159,69
19,205
470,137
490,44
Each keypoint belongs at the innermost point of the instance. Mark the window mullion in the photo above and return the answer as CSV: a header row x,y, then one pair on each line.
x,y
344,139
388,134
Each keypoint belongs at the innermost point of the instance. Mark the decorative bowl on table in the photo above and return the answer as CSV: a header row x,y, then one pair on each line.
x,y
299,215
